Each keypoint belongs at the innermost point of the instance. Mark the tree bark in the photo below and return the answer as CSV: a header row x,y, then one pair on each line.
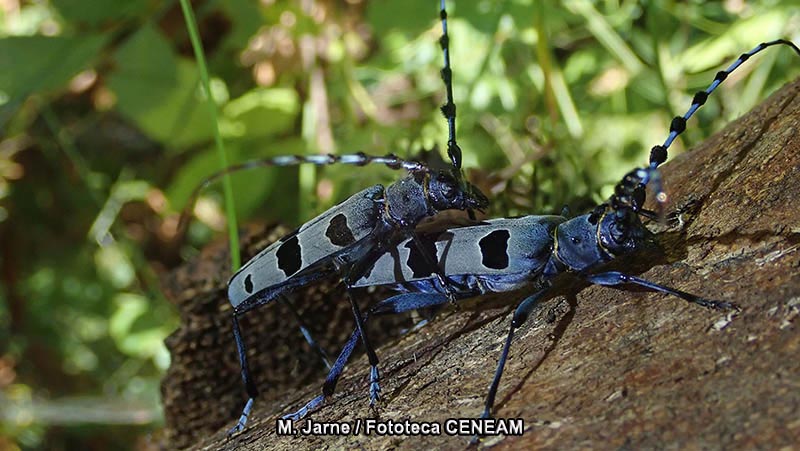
x,y
598,367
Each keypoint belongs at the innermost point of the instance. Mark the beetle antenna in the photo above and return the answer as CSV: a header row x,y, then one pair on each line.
x,y
357,159
449,108
658,154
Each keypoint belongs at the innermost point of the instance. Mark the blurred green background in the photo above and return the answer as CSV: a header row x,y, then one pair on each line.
x,y
105,133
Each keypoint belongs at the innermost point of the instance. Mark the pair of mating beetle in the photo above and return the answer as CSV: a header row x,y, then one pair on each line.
x,y
370,240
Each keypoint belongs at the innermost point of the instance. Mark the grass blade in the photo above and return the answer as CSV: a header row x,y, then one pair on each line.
x,y
230,209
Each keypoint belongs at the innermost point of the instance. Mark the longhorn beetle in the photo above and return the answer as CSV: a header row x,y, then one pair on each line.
x,y
348,238
508,254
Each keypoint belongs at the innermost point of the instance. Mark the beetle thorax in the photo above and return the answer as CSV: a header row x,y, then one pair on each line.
x,y
576,244
407,201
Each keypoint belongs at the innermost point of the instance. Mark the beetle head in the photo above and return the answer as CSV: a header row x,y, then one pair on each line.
x,y
620,231
448,192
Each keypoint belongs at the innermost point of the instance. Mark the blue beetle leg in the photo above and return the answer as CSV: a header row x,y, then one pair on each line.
x,y
250,386
521,314
374,384
408,301
613,278
351,275
330,381
396,304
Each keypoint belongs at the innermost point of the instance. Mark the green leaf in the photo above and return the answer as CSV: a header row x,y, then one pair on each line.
x,y
412,16
260,113
158,91
114,265
245,18
739,38
95,13
250,186
39,63
146,342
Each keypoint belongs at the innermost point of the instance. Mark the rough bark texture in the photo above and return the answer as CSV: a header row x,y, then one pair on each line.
x,y
619,368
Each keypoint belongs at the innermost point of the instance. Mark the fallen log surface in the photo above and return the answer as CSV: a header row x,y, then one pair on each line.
x,y
618,368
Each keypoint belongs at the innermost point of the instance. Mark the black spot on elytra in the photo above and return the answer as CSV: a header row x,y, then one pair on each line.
x,y
494,249
289,258
248,284
416,260
338,231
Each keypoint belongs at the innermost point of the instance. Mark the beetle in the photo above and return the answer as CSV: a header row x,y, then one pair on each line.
x,y
503,255
343,240
509,254
348,238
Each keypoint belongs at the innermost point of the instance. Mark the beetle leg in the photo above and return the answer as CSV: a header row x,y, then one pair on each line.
x,y
613,278
521,314
250,386
396,304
